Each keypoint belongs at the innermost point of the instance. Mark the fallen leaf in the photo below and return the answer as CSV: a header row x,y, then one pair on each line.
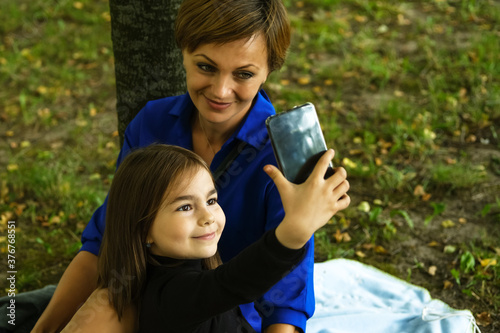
x,y
338,236
432,270
360,18
349,163
462,220
433,244
419,190
449,249
360,254
12,167
380,250
304,80
447,224
483,319
364,206
19,209
447,284
403,20
341,236
426,197
317,89
42,90
471,138
55,220
368,246
451,161
488,262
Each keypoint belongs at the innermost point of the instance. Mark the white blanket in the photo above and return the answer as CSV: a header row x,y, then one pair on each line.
x,y
352,297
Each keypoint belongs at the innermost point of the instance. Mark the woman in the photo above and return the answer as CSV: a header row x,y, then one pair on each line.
x,y
229,48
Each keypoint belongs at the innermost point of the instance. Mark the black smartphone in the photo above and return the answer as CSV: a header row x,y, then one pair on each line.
x,y
297,141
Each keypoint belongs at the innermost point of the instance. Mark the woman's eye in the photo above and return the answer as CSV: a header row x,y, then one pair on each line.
x,y
211,202
184,208
244,75
206,68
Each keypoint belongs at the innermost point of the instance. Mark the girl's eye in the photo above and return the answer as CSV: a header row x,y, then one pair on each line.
x,y
184,208
244,75
206,68
211,202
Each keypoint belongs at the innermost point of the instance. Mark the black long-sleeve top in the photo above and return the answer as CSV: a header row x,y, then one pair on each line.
x,y
180,296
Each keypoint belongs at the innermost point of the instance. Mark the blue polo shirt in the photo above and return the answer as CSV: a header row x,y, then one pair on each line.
x,y
247,195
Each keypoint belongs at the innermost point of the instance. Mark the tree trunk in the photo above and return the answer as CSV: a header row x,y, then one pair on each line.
x,y
148,64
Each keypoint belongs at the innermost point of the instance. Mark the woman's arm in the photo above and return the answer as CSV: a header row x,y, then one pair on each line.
x,y
98,315
77,283
282,328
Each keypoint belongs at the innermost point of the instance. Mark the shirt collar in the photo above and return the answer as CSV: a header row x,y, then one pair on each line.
x,y
252,131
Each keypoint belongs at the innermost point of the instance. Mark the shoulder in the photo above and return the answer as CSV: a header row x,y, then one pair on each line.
x,y
157,110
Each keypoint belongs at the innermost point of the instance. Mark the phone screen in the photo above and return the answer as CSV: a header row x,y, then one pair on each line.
x,y
297,141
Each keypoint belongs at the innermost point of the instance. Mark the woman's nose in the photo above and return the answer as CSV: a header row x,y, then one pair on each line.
x,y
221,87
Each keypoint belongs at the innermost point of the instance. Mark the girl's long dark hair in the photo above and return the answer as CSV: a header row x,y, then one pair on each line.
x,y
139,187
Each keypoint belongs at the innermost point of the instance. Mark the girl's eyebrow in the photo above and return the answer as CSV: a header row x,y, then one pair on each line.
x,y
215,64
191,197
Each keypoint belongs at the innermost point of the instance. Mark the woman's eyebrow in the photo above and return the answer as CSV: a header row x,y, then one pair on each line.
x,y
215,64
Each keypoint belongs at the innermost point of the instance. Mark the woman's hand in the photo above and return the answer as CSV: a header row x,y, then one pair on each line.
x,y
310,205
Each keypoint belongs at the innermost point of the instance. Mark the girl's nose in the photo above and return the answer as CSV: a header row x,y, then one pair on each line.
x,y
206,218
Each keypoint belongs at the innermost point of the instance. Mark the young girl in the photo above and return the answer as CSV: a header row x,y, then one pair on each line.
x,y
159,249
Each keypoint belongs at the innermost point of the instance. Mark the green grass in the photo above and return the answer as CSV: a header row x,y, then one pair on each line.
x,y
408,95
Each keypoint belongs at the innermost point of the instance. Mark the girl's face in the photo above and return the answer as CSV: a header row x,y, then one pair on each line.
x,y
189,223
223,79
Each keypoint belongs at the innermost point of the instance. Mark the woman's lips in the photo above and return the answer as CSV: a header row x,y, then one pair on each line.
x,y
217,105
206,236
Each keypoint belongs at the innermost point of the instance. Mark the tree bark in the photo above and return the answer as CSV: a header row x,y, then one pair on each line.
x,y
148,64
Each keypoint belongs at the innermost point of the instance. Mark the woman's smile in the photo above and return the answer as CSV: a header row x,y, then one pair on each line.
x,y
220,106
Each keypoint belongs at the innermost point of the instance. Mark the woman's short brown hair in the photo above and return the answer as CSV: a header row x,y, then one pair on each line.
x,y
222,21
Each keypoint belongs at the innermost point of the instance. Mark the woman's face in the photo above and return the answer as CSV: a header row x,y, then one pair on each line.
x,y
223,79
189,223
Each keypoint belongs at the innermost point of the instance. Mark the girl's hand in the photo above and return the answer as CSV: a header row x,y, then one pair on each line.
x,y
310,205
